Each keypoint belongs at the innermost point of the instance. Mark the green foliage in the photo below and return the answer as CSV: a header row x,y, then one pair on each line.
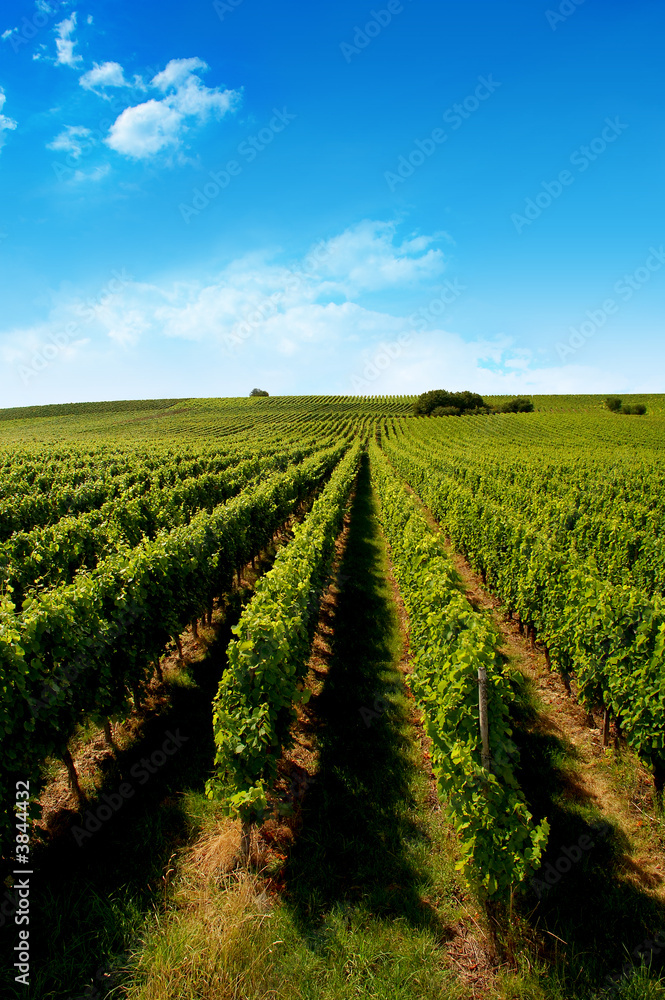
x,y
446,411
259,392
448,403
80,409
449,642
616,405
520,404
53,554
573,557
73,653
267,661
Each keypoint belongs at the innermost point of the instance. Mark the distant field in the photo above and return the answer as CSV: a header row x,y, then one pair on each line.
x,y
38,422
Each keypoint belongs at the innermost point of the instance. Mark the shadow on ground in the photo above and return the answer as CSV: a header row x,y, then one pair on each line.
x,y
91,893
357,822
586,893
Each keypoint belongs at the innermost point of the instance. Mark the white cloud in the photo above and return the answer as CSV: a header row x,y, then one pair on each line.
x,y
364,258
21,346
444,359
96,174
64,42
292,304
122,325
177,73
73,140
289,333
158,125
145,129
108,74
6,124
8,33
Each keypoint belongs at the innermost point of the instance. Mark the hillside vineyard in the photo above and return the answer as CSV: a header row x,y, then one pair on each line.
x,y
122,523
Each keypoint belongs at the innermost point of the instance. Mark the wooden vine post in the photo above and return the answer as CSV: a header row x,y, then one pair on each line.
x,y
245,840
483,718
108,734
73,777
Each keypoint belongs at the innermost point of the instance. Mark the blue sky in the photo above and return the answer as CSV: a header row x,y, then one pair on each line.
x,y
330,198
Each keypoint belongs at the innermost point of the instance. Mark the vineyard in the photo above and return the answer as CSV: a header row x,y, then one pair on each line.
x,y
418,663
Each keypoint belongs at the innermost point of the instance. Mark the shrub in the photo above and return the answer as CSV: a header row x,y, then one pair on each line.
x,y
259,392
446,411
441,399
614,404
520,404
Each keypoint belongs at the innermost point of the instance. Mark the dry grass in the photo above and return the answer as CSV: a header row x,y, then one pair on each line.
x,y
211,937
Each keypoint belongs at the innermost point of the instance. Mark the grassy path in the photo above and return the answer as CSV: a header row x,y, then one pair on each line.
x,y
372,859
366,898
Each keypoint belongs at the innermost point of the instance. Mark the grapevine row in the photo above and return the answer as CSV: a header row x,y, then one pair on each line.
x,y
49,556
611,637
451,644
267,661
75,653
